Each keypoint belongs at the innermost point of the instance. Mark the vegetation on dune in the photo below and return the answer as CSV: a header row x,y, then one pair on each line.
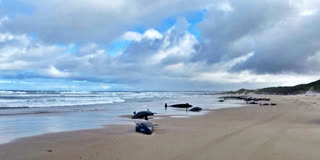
x,y
293,90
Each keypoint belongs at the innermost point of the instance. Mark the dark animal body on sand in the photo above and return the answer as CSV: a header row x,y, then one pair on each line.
x,y
251,102
246,98
257,99
195,109
186,106
144,127
267,104
14,107
233,97
142,114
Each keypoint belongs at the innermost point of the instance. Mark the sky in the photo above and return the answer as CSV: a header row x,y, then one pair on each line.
x,y
158,45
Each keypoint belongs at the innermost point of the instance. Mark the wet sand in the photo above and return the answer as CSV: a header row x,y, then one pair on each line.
x,y
288,131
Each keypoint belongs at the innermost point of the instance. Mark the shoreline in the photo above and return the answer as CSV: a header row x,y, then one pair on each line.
x,y
119,125
287,131
95,116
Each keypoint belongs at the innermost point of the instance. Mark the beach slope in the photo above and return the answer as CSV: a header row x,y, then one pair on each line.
x,y
288,131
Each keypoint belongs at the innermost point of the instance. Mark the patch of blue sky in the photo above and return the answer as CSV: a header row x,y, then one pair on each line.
x,y
73,49
33,36
140,29
26,74
117,46
60,45
15,7
166,24
193,18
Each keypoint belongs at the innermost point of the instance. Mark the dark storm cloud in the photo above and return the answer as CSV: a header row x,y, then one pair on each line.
x,y
287,47
278,32
223,28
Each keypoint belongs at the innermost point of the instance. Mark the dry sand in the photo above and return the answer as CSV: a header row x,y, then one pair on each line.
x,y
288,131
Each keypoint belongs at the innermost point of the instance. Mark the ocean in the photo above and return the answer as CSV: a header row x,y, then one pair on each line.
x,y
31,113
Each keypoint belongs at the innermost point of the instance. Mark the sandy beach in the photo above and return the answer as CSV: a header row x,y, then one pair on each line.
x,y
288,131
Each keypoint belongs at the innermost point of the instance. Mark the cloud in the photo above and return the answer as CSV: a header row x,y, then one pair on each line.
x,y
5,37
105,87
278,48
20,52
132,36
175,50
3,20
308,12
149,59
225,6
60,21
150,34
54,72
242,44
275,31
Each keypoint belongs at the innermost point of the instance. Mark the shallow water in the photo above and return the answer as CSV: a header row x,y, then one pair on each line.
x,y
50,117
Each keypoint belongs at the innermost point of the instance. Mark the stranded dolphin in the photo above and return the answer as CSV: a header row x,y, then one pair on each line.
x,y
195,109
186,106
144,127
142,114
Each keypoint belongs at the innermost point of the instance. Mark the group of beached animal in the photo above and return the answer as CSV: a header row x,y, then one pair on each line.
x,y
146,127
250,100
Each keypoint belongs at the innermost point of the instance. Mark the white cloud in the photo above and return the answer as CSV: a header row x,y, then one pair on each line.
x,y
54,72
308,12
150,34
3,19
227,65
132,36
105,87
14,65
183,48
254,79
20,52
305,7
225,6
5,37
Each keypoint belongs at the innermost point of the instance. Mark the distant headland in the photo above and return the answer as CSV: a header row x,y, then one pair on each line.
x,y
313,87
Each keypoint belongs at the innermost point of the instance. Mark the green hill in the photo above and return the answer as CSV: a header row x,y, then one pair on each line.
x,y
298,89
